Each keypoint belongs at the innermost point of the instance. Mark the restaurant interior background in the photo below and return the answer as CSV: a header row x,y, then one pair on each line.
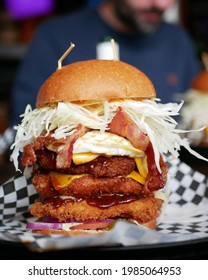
x,y
17,27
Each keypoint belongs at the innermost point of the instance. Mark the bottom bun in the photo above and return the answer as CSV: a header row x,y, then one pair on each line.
x,y
69,232
151,224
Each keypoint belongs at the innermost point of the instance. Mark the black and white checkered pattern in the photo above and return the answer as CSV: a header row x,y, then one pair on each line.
x,y
183,228
197,224
6,139
186,185
188,190
16,196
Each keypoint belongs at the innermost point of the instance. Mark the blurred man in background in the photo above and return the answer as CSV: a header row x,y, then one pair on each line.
x,y
163,51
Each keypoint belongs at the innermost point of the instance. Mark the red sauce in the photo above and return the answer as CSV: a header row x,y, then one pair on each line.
x,y
104,201
107,201
58,202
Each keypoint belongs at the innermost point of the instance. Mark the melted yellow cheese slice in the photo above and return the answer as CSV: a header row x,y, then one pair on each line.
x,y
82,158
137,177
60,181
142,167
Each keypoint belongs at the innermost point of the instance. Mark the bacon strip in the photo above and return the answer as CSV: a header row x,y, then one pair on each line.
x,y
63,147
155,180
29,157
64,156
124,126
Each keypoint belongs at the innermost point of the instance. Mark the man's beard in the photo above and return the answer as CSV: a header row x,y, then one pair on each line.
x,y
133,19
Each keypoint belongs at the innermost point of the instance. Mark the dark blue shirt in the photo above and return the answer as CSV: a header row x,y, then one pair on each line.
x,y
167,56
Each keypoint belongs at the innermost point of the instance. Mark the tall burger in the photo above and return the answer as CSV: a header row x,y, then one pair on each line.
x,y
95,142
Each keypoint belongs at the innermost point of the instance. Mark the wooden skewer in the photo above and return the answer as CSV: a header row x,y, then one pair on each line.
x,y
65,55
114,49
204,58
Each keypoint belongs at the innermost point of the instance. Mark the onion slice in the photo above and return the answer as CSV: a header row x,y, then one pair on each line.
x,y
42,225
72,225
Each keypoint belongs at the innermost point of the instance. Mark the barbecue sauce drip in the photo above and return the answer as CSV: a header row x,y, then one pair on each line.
x,y
104,201
58,202
107,201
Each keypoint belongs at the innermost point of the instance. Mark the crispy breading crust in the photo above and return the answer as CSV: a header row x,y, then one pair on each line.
x,y
87,186
142,210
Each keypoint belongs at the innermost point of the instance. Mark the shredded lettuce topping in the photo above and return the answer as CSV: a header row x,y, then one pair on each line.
x,y
194,114
152,117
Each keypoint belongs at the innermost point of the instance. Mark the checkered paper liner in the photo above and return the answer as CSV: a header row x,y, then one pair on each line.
x,y
184,218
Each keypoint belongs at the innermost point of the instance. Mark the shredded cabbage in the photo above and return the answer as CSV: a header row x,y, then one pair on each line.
x,y
153,118
195,114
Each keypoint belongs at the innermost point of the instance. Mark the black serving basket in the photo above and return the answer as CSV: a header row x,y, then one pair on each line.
x,y
191,249
194,162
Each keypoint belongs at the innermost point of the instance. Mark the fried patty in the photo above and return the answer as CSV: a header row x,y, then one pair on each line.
x,y
99,167
87,186
142,210
105,166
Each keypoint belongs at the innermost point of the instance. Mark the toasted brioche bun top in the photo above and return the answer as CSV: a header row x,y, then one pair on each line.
x,y
200,82
95,80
